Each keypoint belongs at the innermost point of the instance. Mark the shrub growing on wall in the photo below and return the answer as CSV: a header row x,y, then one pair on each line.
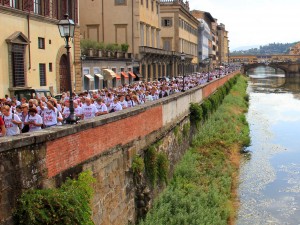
x,y
69,204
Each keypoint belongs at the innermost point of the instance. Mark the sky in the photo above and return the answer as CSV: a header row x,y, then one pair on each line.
x,y
255,22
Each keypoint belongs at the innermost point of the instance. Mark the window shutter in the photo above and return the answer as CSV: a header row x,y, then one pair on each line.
x,y
6,2
47,8
76,11
28,5
54,9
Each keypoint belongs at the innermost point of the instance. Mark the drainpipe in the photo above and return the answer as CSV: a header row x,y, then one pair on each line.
x,y
132,8
28,34
102,20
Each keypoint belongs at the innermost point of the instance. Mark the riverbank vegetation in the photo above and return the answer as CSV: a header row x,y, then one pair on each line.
x,y
202,190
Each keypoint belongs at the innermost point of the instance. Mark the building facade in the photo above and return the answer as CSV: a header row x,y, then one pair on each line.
x,y
179,33
223,44
33,53
207,49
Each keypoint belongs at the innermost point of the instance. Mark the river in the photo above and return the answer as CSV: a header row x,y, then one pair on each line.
x,y
269,188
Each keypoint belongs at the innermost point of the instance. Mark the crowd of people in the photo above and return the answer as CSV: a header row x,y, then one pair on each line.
x,y
22,115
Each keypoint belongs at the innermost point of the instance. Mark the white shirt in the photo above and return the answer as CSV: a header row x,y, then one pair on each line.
x,y
124,104
101,108
11,128
89,111
148,98
50,116
78,111
66,112
116,107
36,119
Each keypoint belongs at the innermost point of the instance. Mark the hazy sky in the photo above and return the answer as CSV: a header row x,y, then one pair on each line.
x,y
255,22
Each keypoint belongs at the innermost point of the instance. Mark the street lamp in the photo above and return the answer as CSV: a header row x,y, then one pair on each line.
x,y
66,29
182,57
209,57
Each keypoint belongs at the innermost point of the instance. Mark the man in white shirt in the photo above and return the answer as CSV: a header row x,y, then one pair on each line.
x,y
89,110
115,106
123,102
101,107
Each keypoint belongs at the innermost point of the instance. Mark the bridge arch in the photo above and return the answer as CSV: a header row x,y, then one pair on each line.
x,y
272,65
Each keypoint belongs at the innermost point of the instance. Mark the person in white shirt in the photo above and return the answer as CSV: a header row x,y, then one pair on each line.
x,y
123,102
77,110
12,121
66,110
148,97
115,106
101,107
34,120
49,114
89,110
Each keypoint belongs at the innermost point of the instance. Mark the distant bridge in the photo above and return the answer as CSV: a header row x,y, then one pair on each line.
x,y
290,64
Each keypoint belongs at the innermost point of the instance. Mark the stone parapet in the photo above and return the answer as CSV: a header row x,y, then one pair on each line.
x,y
106,145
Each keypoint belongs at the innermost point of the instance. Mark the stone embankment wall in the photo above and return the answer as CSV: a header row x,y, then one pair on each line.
x,y
105,145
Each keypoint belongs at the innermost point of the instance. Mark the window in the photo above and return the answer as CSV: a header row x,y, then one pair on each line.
x,y
147,4
142,2
166,22
50,67
167,44
86,70
152,5
157,8
14,4
142,34
18,65
120,2
42,68
41,43
37,7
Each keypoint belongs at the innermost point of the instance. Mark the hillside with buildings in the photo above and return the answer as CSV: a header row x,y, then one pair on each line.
x,y
270,49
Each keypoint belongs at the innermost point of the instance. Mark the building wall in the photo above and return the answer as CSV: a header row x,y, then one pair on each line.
x,y
39,26
106,145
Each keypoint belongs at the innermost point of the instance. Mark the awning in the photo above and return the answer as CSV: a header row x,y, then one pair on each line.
x,y
89,76
131,74
124,74
99,76
109,74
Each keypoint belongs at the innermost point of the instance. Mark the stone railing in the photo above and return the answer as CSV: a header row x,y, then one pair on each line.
x,y
105,145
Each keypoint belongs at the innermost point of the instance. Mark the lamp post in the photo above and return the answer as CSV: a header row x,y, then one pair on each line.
x,y
182,57
66,29
209,61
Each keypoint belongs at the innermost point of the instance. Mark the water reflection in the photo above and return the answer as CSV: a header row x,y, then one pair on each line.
x,y
270,179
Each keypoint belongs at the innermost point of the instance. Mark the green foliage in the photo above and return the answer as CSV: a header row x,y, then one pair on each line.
x,y
176,131
124,47
138,164
206,108
162,167
100,46
196,115
69,204
186,129
150,164
86,44
110,47
200,191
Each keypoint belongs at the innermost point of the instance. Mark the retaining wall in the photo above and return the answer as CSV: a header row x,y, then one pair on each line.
x,y
106,145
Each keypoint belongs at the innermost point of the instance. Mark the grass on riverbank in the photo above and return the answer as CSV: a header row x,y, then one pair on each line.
x,y
202,188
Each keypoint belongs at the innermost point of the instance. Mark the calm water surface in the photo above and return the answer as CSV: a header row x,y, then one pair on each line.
x,y
270,174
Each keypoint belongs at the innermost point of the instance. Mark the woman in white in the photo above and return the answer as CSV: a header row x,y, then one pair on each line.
x,y
49,114
101,107
89,110
34,120
11,121
115,106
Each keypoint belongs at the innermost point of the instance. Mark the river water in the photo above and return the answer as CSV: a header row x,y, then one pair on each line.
x,y
269,188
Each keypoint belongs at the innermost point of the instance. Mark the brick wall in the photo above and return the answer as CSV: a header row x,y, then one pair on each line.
x,y
105,145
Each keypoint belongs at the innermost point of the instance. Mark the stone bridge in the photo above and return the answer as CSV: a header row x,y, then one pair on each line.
x,y
287,67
